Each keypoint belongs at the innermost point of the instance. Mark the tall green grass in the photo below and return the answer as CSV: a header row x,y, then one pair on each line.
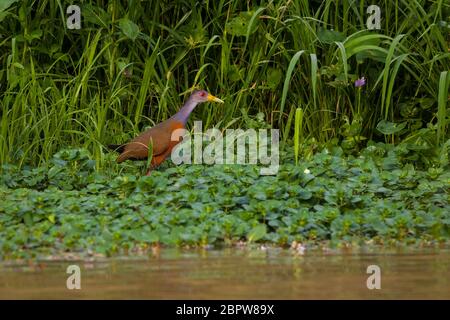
x,y
133,64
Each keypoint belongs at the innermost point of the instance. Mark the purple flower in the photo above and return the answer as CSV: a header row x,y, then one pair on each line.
x,y
360,82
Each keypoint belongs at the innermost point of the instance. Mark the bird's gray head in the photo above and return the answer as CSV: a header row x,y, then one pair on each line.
x,y
200,96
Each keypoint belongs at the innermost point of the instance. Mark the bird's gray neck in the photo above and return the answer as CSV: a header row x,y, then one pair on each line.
x,y
185,111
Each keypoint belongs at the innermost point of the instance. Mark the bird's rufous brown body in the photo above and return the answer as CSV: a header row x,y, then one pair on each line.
x,y
160,135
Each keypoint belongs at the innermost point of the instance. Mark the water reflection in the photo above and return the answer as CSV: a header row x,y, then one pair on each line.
x,y
271,273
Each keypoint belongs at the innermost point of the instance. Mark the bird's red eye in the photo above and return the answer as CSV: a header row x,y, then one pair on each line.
x,y
202,94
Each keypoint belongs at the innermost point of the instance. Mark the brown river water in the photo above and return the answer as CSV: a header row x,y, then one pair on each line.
x,y
236,274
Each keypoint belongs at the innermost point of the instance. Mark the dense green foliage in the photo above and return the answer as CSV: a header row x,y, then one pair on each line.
x,y
367,163
378,197
133,62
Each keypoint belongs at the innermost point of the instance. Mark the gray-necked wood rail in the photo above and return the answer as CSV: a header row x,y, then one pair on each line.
x,y
160,135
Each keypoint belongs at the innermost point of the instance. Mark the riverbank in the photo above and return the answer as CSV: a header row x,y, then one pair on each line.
x,y
378,197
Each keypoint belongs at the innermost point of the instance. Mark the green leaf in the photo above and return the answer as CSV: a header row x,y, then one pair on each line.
x,y
235,73
96,15
238,26
386,127
18,65
35,34
330,36
129,28
51,218
27,218
3,15
150,153
5,4
370,54
273,77
122,63
257,233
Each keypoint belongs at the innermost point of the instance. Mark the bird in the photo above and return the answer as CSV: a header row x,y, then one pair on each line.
x,y
160,135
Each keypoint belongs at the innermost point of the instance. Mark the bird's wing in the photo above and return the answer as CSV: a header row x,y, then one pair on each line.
x,y
160,135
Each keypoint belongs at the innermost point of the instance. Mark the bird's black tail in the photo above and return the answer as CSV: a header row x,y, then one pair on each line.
x,y
116,147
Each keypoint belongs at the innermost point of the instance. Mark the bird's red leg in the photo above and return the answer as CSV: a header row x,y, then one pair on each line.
x,y
156,161
151,167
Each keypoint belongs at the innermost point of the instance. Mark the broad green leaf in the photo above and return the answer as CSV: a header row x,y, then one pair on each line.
x,y
257,233
129,28
238,26
5,4
35,34
273,77
330,36
51,218
386,127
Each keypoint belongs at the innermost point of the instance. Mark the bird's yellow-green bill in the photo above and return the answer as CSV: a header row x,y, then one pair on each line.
x,y
214,99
